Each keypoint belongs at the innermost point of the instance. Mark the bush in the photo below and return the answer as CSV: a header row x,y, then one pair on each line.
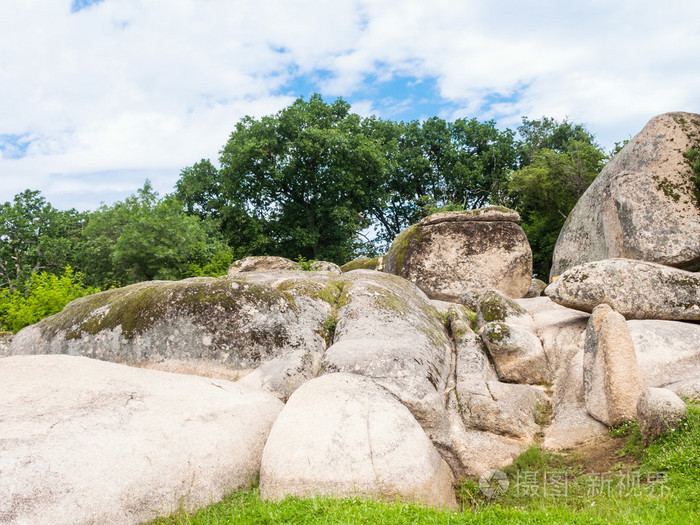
x,y
45,295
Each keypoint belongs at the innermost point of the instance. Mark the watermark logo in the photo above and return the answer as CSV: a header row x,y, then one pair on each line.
x,y
554,483
493,483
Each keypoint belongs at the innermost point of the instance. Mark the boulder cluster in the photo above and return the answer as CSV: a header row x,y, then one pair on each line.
x,y
386,378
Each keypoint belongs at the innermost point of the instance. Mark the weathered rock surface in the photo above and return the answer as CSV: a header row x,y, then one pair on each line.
x,y
517,353
501,408
85,441
493,306
562,332
448,253
222,327
364,263
643,204
264,263
635,289
536,289
611,378
659,410
388,331
668,352
343,435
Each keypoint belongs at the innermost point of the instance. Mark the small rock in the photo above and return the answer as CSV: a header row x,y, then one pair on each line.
x,y
659,410
516,353
536,288
260,264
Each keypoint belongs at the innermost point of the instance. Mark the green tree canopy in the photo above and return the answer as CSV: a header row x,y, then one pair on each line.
x,y
144,238
35,236
561,160
300,182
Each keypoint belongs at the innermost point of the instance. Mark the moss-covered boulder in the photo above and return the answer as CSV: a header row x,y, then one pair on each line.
x,y
364,263
448,253
222,327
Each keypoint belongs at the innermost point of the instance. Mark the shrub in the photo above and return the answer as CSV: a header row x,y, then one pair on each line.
x,y
45,294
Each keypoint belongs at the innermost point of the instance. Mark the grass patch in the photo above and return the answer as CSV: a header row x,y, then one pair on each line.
x,y
543,487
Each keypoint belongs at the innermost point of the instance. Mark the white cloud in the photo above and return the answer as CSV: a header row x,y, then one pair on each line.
x,y
125,88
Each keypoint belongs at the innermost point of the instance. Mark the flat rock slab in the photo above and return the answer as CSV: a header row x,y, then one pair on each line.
x,y
643,205
448,253
343,435
635,289
85,441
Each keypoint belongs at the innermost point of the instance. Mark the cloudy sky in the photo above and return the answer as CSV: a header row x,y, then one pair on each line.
x,y
98,95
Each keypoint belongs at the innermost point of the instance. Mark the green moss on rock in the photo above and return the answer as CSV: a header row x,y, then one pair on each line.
x,y
495,307
400,246
361,263
137,307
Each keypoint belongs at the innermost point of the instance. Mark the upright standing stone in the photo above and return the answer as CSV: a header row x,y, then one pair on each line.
x,y
611,379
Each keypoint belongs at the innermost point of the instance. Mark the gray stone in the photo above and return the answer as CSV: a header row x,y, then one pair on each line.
x,y
611,378
537,287
501,408
668,352
642,205
659,411
364,263
222,327
448,253
86,441
390,332
263,263
516,353
635,289
493,306
343,435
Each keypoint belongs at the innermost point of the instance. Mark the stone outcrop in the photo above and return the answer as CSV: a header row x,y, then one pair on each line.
x,y
448,253
222,327
86,441
668,353
659,411
635,289
387,330
536,289
643,205
264,263
343,435
611,379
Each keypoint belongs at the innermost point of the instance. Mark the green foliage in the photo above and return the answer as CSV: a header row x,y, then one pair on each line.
x,y
46,294
560,161
145,238
437,165
304,264
35,237
302,179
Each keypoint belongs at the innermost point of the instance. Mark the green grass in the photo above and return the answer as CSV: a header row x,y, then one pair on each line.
x,y
664,488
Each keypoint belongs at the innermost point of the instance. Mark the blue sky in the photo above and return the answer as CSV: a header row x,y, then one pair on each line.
x,y
97,96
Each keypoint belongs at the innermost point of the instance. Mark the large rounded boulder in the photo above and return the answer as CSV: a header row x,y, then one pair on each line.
x,y
643,205
343,435
86,441
449,253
